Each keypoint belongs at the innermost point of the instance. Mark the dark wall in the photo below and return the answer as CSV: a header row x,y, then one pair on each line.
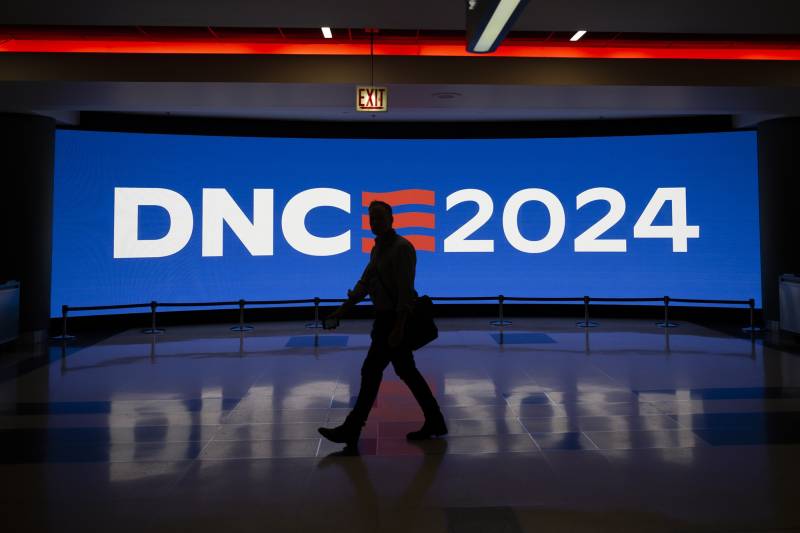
x,y
779,205
27,145
181,125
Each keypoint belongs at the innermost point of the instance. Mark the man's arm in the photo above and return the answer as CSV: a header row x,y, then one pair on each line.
x,y
356,295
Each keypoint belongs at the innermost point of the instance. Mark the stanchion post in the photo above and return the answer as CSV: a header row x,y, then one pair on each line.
x,y
153,330
752,329
316,324
667,349
242,326
666,323
153,350
63,367
500,300
501,321
64,335
586,349
586,322
586,309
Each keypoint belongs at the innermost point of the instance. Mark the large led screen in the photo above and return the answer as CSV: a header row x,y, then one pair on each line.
x,y
174,218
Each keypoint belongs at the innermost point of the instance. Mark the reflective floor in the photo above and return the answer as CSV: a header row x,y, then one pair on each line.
x,y
552,428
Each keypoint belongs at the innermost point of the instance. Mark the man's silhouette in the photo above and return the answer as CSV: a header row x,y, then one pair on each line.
x,y
389,281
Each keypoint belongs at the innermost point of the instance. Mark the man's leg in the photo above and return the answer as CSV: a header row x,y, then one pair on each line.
x,y
371,375
407,370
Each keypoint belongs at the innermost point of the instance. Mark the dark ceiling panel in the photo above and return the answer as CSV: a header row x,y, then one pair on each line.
x,y
660,16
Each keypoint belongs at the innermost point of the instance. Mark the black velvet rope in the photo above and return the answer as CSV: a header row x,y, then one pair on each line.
x,y
236,303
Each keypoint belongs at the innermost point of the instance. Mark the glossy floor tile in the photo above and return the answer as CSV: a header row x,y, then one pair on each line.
x,y
624,427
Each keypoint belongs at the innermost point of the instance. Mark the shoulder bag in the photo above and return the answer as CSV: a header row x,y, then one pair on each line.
x,y
420,328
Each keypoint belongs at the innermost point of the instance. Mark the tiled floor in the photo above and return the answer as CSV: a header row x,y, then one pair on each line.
x,y
617,428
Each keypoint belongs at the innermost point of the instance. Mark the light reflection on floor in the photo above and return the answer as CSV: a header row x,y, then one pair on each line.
x,y
621,428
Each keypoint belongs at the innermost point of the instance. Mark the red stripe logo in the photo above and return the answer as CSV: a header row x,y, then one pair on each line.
x,y
407,220
403,197
413,219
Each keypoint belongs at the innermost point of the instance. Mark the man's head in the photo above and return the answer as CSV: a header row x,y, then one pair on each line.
x,y
380,217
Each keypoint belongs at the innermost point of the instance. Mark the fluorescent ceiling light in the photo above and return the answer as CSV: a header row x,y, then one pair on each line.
x,y
327,33
488,21
496,24
578,35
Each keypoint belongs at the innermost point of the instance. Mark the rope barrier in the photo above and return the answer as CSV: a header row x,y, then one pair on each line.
x,y
541,299
627,299
105,307
281,302
696,301
462,298
198,304
501,299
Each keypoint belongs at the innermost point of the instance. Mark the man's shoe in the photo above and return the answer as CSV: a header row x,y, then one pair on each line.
x,y
343,434
430,429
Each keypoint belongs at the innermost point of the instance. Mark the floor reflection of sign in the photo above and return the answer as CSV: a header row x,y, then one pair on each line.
x,y
372,99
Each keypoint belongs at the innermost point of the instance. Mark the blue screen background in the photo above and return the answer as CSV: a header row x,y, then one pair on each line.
x,y
719,171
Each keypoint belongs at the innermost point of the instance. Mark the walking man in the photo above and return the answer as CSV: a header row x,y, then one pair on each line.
x,y
389,280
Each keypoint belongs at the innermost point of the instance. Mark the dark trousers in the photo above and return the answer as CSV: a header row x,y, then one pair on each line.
x,y
378,358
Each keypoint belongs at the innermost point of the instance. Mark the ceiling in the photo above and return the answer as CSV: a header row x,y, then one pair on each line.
x,y
648,16
421,88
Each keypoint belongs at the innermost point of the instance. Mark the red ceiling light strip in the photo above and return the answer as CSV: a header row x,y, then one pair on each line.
x,y
430,48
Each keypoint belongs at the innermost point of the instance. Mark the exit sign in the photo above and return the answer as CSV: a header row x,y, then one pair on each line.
x,y
372,99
